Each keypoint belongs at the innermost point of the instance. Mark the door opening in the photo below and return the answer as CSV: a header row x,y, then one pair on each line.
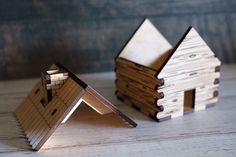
x,y
189,100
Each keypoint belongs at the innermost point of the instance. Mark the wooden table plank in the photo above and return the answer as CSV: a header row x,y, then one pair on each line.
x,y
210,132
219,145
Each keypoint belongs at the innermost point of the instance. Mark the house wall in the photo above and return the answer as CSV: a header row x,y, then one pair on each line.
x,y
173,105
205,93
86,35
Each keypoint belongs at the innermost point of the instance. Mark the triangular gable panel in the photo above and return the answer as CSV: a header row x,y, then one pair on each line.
x,y
39,119
190,53
147,47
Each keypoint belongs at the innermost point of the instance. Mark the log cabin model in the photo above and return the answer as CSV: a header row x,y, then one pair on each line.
x,y
162,81
53,99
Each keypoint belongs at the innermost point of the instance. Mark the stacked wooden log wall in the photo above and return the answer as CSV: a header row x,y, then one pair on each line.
x,y
164,92
192,66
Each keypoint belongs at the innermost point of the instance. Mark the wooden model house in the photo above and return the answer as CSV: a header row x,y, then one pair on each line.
x,y
52,101
163,81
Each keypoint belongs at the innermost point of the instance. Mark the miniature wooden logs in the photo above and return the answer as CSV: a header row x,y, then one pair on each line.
x,y
165,82
52,81
54,98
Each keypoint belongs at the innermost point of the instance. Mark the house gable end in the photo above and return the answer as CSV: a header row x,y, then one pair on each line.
x,y
191,53
147,47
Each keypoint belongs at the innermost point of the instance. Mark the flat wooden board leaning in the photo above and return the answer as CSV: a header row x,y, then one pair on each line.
x,y
164,81
53,99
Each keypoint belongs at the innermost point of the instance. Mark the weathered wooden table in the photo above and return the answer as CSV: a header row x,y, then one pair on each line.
x,y
211,132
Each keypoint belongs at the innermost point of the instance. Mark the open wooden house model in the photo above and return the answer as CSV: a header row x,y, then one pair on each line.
x,y
52,101
162,81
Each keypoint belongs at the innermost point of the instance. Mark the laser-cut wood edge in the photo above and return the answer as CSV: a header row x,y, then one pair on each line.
x,y
86,94
135,81
39,146
99,97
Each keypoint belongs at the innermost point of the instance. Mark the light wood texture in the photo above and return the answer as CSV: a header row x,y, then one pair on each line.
x,y
147,39
183,72
40,119
159,89
210,132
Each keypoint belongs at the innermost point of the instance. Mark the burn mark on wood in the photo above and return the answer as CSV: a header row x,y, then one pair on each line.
x,y
53,112
215,93
192,55
217,69
136,107
217,81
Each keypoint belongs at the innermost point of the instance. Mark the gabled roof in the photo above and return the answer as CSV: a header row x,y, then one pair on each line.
x,y
39,120
146,47
194,49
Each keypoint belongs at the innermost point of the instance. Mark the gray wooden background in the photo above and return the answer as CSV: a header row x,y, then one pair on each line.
x,y
85,35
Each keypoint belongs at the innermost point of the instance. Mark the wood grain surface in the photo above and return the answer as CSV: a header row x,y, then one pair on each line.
x,y
210,132
86,35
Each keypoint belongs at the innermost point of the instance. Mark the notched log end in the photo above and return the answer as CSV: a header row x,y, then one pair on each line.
x,y
159,107
163,119
161,95
217,69
216,93
216,81
162,82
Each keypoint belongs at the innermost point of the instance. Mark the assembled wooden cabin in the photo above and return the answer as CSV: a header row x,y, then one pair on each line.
x,y
52,101
163,81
